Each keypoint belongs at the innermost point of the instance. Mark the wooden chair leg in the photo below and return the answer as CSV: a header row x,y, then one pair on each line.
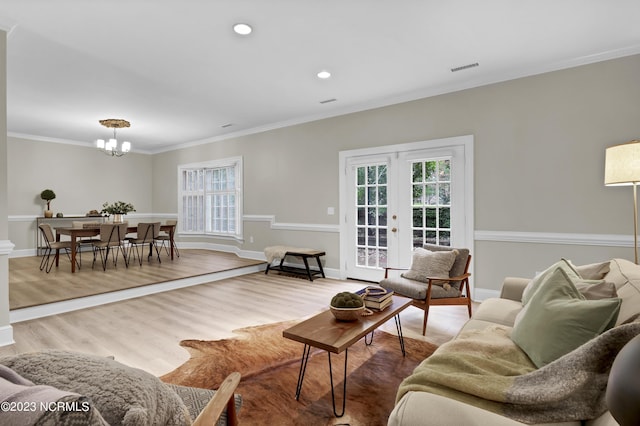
x,y
468,296
424,320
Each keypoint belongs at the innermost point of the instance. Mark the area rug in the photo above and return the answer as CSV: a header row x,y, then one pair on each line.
x,y
269,365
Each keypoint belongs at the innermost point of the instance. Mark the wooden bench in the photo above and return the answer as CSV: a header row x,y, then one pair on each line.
x,y
304,255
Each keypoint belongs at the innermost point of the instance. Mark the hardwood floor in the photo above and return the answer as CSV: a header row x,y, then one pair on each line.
x,y
145,332
28,286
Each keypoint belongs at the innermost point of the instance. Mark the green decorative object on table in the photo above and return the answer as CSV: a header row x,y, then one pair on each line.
x,y
347,306
48,195
117,209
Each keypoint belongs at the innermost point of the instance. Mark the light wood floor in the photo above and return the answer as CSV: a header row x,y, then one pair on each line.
x,y
145,332
28,286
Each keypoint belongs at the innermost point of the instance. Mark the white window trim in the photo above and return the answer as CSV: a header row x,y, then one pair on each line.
x,y
235,162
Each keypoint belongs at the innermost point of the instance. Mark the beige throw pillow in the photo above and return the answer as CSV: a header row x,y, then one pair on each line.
x,y
430,264
594,271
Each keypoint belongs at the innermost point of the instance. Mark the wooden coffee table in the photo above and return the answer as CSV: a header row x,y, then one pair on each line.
x,y
323,331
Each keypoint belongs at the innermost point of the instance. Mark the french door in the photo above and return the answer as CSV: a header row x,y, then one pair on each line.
x,y
397,200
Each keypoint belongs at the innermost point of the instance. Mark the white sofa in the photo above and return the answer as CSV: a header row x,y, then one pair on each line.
x,y
425,408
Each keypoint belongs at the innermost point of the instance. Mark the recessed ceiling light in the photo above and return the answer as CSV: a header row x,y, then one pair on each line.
x,y
242,29
324,74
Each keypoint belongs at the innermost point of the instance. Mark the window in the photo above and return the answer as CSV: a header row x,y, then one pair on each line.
x,y
210,198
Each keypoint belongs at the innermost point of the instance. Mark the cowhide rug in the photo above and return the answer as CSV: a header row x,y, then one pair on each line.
x,y
269,365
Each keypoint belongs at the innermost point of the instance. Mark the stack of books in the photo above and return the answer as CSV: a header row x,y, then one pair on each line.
x,y
375,297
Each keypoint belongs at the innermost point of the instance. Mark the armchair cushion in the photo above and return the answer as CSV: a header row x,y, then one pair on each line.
x,y
430,264
418,289
459,266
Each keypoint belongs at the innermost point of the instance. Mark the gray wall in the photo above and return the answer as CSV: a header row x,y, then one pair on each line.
x,y
82,178
539,160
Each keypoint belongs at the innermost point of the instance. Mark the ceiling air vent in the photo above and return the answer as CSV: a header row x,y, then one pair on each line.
x,y
465,67
227,125
326,101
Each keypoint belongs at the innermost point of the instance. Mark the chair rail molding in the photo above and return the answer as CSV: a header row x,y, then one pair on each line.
x,y
608,240
290,226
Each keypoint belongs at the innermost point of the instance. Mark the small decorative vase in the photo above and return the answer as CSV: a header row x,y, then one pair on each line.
x,y
48,213
117,218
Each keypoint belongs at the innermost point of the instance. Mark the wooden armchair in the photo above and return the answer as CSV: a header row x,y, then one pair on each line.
x,y
213,412
434,291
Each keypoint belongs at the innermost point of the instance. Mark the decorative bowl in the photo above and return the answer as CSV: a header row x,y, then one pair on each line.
x,y
347,314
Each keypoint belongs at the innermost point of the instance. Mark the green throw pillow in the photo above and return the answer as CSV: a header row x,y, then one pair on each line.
x,y
558,319
533,285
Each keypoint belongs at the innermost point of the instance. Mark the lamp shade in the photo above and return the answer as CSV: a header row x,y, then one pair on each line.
x,y
622,164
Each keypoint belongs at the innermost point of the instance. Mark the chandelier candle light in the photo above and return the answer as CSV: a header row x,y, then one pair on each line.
x,y
622,167
111,146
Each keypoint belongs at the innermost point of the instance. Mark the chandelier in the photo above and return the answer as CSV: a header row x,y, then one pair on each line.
x,y
111,146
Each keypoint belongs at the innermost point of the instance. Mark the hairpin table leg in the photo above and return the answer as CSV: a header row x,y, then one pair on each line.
x,y
303,368
400,336
344,386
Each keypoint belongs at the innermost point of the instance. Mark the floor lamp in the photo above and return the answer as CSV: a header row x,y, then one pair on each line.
x,y
622,167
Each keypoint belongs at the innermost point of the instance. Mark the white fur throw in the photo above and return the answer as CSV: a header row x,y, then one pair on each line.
x,y
123,395
278,252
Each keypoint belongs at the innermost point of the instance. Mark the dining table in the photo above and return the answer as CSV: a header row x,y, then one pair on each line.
x,y
76,233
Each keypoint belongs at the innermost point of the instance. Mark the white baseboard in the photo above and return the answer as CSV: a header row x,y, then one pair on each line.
x,y
6,335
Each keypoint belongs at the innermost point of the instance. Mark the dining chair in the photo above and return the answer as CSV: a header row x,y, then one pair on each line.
x,y
164,239
85,241
112,237
50,245
146,234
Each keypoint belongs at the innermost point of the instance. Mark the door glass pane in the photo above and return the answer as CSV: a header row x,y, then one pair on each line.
x,y
417,172
382,216
418,193
417,217
382,174
432,207
372,199
371,215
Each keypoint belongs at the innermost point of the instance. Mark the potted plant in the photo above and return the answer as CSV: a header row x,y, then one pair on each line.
x,y
117,209
48,195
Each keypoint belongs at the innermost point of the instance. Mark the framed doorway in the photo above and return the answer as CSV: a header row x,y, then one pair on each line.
x,y
397,197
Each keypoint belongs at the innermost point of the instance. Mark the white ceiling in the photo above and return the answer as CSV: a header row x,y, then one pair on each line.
x,y
178,73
